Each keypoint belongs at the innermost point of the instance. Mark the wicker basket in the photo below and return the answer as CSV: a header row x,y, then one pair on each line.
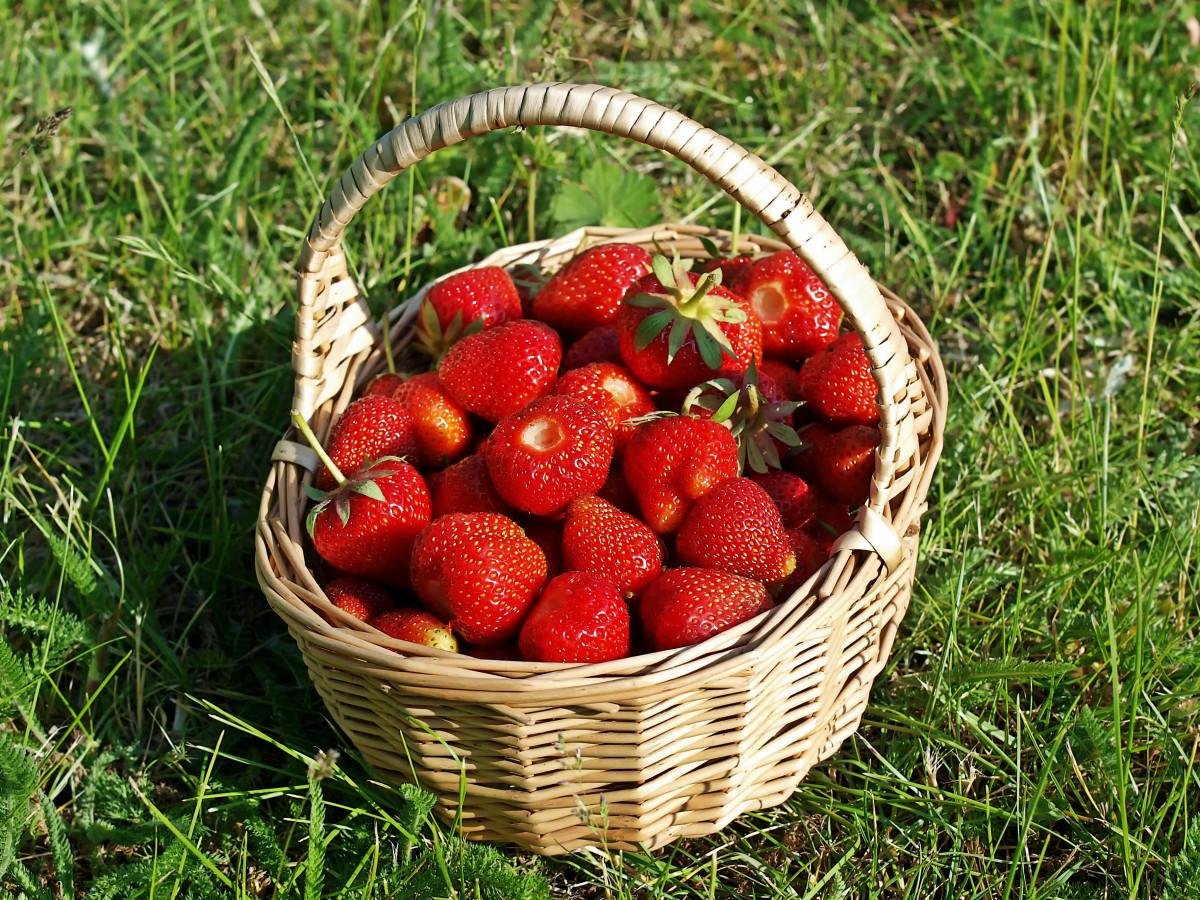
x,y
636,752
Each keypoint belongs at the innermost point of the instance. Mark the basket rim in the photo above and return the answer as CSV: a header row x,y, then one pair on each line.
x,y
728,650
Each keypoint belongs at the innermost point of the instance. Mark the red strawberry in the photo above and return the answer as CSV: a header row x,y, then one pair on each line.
x,y
613,390
441,427
810,556
598,345
503,369
687,606
783,375
673,461
464,487
733,269
371,427
736,528
677,329
552,451
360,598
842,463
579,618
549,537
838,385
465,303
417,626
367,525
599,538
480,571
383,385
791,494
587,292
799,314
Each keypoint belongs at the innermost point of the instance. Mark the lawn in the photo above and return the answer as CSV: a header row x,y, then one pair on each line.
x,y
1026,176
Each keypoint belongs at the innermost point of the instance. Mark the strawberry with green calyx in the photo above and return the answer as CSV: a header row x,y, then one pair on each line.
x,y
367,524
465,303
676,329
760,425
416,626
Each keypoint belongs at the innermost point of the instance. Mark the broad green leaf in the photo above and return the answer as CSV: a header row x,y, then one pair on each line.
x,y
607,194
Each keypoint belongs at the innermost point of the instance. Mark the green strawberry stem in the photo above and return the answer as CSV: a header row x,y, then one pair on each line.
x,y
302,426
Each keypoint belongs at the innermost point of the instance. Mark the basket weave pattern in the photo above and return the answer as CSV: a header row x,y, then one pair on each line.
x,y
635,752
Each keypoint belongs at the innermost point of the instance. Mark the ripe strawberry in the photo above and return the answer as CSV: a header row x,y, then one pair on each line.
x,y
360,598
548,536
383,385
686,606
367,525
480,571
791,494
677,329
417,626
464,487
587,292
838,385
549,453
465,303
613,391
579,618
370,428
783,375
503,369
810,556
673,461
799,314
733,269
598,345
441,428
736,528
599,538
755,413
842,463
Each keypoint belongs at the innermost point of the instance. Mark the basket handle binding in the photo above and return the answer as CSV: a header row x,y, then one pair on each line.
x,y
749,180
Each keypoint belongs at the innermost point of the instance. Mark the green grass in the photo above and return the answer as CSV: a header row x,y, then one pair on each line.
x,y
1026,176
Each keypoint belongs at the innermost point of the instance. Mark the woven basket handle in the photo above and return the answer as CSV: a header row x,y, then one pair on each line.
x,y
745,177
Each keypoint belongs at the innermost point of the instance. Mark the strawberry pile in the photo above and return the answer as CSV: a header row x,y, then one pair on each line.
x,y
632,458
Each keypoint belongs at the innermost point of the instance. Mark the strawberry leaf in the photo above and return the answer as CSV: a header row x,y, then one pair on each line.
x,y
770,455
709,351
310,521
710,246
342,506
315,493
725,410
610,195
650,328
679,333
646,301
785,435
663,271
754,456
369,488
